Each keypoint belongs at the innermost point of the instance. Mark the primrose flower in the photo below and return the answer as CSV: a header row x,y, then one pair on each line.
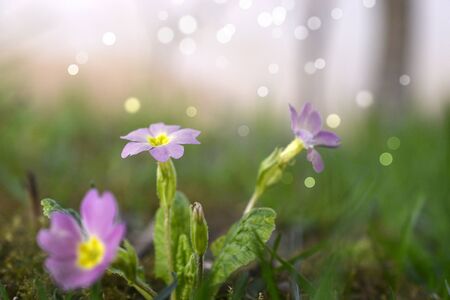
x,y
307,127
161,140
79,254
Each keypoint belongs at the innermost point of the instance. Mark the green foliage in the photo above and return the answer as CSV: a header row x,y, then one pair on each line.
x,y
186,268
126,265
3,293
242,245
355,201
49,206
179,226
217,245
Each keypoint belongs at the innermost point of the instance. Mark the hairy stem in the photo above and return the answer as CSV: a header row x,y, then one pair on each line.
x,y
147,292
200,259
251,202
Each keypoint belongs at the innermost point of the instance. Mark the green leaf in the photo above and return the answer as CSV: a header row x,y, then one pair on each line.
x,y
180,218
217,245
242,243
3,293
183,254
41,291
126,265
186,268
50,206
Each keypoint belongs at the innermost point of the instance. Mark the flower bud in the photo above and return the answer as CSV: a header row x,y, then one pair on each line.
x,y
291,151
166,183
199,229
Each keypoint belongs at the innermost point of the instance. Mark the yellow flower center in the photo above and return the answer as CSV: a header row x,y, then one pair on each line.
x,y
159,140
90,253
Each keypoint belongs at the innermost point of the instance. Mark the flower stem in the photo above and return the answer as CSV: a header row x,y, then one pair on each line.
x,y
147,292
199,270
251,202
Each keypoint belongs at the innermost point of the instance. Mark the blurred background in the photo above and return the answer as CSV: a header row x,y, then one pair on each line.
x,y
77,74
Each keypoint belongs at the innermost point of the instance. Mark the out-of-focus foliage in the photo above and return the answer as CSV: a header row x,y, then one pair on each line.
x,y
376,230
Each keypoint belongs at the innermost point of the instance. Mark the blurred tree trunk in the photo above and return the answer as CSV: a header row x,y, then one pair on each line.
x,y
391,94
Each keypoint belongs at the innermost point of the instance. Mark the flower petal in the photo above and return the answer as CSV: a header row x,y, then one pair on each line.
x,y
327,139
294,119
176,151
113,241
158,128
138,135
185,136
304,112
61,239
314,157
98,213
160,153
133,148
313,122
69,276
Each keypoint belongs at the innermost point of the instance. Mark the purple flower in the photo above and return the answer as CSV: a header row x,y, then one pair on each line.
x,y
79,254
307,126
161,140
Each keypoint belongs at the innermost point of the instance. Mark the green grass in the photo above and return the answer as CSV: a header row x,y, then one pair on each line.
x,y
364,229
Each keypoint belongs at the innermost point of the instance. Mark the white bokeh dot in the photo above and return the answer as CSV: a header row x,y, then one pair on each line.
x,y
225,34
301,32
310,68
109,38
165,35
132,105
262,91
404,80
314,23
369,3
187,46
265,19
187,24
279,15
273,68
364,98
245,4
191,111
337,13
243,130
333,120
73,69
320,63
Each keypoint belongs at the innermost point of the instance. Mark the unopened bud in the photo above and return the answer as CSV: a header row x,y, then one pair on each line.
x,y
199,229
291,150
